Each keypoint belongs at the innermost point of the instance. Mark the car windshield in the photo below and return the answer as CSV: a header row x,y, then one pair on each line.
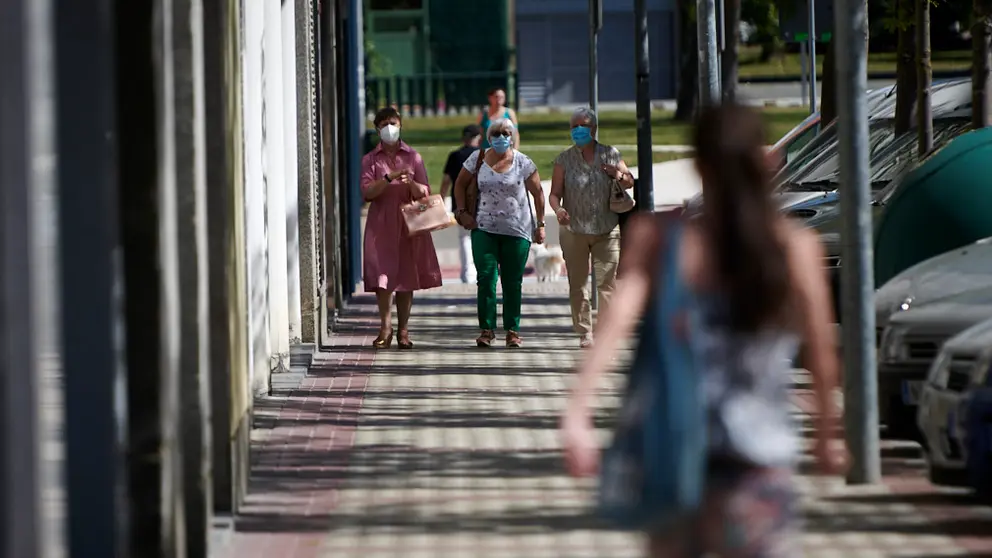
x,y
902,158
889,156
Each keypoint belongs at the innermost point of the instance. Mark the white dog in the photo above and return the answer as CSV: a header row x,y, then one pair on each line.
x,y
548,261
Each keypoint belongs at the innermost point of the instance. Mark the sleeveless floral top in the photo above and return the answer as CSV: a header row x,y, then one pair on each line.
x,y
586,189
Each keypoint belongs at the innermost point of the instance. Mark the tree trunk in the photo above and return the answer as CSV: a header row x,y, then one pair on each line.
x,y
981,86
906,82
828,97
731,30
688,93
924,112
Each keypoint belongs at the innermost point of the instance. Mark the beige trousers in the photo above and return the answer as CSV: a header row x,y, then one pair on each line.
x,y
605,252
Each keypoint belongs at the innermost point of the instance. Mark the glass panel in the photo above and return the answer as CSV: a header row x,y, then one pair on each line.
x,y
794,148
899,160
825,168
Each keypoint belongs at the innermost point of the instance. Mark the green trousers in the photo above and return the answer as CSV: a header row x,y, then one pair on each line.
x,y
503,257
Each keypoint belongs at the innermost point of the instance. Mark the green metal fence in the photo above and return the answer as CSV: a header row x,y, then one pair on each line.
x,y
438,93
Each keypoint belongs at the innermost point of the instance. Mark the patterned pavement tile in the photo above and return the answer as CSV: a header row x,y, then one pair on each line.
x,y
452,451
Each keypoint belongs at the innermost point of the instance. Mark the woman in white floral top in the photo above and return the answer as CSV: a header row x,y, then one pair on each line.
x,y
503,226
580,197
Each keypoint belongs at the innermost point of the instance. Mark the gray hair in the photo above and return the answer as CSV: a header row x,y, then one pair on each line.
x,y
583,114
501,125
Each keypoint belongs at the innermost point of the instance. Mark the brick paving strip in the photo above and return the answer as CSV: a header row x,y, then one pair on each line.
x,y
448,451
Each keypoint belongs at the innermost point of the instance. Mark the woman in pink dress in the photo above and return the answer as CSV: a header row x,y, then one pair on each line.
x,y
393,174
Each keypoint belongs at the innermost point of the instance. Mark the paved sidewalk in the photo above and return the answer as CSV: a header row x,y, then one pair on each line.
x,y
448,451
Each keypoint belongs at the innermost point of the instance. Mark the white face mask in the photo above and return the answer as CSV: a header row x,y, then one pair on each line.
x,y
389,134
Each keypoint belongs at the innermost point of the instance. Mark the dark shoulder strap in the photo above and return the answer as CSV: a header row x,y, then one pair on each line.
x,y
478,162
665,222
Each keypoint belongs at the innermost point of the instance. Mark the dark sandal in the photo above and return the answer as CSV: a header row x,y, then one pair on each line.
x,y
403,340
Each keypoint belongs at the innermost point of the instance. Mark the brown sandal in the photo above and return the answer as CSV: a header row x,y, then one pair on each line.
x,y
486,338
513,340
383,342
403,340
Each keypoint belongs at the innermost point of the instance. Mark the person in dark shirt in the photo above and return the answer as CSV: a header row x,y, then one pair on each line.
x,y
471,136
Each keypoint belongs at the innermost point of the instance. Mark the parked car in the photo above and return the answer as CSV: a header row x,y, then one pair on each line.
x,y
952,273
977,426
910,344
812,194
949,407
789,147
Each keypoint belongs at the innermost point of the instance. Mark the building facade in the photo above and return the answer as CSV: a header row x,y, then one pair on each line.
x,y
552,47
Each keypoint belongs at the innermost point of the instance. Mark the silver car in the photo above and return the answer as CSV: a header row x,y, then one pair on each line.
x,y
961,366
910,343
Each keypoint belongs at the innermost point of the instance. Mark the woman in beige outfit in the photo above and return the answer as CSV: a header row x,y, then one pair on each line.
x,y
580,197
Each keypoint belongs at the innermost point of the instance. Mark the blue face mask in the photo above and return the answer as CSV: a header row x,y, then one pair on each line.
x,y
500,143
581,135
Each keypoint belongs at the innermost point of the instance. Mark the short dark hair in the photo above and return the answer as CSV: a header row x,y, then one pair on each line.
x,y
470,131
494,90
386,113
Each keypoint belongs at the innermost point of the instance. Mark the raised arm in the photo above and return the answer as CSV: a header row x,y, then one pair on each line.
x,y
372,187
623,175
419,186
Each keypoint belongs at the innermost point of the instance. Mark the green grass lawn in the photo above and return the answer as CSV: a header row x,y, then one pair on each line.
x,y
435,157
789,65
543,136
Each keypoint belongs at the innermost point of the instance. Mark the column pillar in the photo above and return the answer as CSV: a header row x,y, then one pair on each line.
x,y
193,262
273,136
307,161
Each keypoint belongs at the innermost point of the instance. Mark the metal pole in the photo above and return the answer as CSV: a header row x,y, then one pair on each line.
x,y
811,9
26,182
721,17
803,76
857,281
595,23
709,69
92,288
644,193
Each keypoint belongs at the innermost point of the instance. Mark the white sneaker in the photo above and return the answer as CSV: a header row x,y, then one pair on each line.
x,y
586,341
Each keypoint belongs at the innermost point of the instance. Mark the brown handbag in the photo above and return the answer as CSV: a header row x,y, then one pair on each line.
x,y
426,215
472,189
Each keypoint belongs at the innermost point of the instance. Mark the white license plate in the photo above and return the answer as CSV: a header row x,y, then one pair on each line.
x,y
911,392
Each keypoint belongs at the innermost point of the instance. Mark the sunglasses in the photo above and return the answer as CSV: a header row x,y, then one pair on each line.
x,y
504,134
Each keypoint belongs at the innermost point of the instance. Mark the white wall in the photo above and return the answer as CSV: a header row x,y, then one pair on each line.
x,y
255,211
290,127
273,155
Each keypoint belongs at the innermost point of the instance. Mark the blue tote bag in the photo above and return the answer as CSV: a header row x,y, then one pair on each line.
x,y
653,472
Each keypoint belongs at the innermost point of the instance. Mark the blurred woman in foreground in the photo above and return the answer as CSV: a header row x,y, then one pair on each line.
x,y
759,290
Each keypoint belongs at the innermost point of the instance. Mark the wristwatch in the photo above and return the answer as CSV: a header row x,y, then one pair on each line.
x,y
540,224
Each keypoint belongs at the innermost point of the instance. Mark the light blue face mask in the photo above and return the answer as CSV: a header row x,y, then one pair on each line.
x,y
581,135
500,143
